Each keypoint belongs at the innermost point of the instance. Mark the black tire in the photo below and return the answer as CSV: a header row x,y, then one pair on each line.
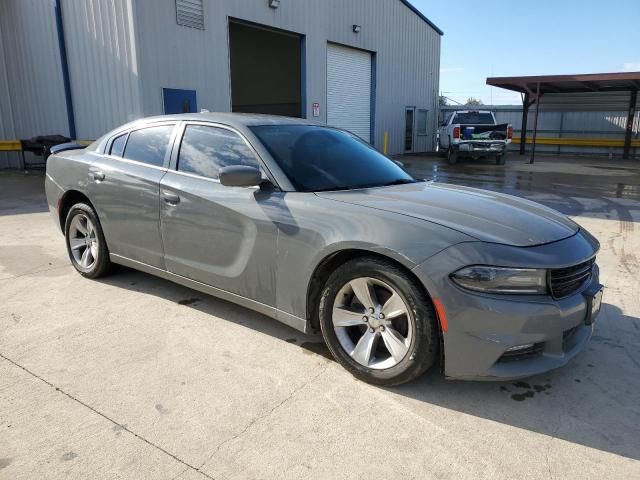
x,y
500,159
101,264
452,156
424,346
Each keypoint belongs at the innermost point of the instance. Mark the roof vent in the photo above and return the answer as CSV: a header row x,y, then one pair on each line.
x,y
190,13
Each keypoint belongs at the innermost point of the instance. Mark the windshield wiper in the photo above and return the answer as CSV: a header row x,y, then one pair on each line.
x,y
400,181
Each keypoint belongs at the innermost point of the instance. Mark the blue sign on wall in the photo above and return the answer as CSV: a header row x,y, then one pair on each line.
x,y
179,101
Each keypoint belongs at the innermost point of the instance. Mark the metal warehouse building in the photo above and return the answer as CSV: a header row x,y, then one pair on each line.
x,y
81,67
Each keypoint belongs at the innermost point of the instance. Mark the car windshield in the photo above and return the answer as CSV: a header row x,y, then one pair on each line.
x,y
317,158
474,117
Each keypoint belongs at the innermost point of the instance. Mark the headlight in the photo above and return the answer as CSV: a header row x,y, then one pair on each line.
x,y
502,280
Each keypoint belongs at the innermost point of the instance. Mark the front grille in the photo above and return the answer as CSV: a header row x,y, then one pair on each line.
x,y
522,354
566,281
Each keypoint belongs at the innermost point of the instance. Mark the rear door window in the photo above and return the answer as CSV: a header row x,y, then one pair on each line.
x,y
474,117
205,150
149,145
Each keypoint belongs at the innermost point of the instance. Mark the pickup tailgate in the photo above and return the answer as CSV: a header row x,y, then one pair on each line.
x,y
488,133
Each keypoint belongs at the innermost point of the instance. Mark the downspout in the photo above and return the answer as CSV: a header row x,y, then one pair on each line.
x,y
62,47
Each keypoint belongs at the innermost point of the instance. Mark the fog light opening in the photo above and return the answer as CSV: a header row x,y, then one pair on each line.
x,y
520,347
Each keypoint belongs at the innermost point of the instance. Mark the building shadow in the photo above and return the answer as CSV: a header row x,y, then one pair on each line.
x,y
22,193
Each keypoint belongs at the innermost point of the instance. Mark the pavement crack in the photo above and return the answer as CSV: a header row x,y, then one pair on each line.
x,y
106,417
264,415
34,271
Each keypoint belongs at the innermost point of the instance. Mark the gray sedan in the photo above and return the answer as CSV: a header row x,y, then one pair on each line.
x,y
311,226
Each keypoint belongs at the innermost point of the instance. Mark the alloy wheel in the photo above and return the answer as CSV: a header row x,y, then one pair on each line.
x,y
372,323
83,241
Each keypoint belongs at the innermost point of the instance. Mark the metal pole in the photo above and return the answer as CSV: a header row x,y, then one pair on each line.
x,y
629,127
66,83
535,124
525,116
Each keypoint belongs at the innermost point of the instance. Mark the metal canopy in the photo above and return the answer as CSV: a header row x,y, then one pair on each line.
x,y
534,87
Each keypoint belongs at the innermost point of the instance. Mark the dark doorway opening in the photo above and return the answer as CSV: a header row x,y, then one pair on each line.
x,y
409,128
266,70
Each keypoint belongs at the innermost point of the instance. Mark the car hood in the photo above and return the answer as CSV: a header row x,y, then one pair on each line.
x,y
484,215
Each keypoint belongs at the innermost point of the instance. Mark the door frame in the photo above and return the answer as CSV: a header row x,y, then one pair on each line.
x,y
374,85
302,37
413,129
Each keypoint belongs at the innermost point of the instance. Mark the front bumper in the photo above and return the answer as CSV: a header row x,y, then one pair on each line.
x,y
483,327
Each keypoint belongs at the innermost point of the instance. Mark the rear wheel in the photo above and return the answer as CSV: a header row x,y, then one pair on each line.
x,y
500,160
85,242
452,156
378,323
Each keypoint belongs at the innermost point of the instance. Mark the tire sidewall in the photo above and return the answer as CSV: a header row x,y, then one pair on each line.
x,y
102,262
423,349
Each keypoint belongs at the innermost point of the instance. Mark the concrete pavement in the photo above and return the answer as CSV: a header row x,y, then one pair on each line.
x,y
135,377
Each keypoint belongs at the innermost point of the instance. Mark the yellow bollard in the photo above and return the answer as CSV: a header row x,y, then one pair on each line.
x,y
385,143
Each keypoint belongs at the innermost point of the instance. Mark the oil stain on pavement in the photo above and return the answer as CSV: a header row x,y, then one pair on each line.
x,y
529,390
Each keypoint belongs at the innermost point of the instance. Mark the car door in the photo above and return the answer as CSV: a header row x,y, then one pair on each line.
x,y
221,236
125,190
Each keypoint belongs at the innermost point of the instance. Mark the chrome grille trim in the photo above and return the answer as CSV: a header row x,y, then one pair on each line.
x,y
566,281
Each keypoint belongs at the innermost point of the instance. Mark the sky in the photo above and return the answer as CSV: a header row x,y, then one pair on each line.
x,y
484,38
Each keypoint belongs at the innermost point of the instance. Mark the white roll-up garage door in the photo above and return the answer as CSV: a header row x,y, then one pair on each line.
x,y
349,90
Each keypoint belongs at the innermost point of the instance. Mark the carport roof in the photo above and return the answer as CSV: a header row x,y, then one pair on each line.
x,y
420,14
592,82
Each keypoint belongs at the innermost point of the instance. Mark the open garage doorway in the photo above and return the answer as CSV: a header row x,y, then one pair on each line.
x,y
266,70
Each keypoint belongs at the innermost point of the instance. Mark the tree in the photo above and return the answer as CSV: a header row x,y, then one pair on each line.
x,y
443,101
473,102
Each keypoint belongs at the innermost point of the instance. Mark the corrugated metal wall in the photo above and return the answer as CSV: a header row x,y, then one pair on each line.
x,y
103,64
407,54
121,53
583,115
31,89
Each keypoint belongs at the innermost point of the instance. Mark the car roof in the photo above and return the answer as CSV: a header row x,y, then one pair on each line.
x,y
231,119
239,121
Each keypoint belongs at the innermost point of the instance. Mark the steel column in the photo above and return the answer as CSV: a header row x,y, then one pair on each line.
x,y
62,47
535,124
523,129
629,127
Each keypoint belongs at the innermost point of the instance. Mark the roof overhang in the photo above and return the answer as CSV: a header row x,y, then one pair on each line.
x,y
593,82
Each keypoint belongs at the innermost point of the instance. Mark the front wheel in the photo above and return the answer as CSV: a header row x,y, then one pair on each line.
x,y
86,245
378,322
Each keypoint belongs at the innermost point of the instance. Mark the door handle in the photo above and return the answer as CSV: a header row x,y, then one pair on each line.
x,y
97,175
170,198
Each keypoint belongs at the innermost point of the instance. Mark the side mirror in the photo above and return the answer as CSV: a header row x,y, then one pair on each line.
x,y
240,176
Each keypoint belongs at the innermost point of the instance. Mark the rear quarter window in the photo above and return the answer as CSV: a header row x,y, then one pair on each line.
x,y
117,146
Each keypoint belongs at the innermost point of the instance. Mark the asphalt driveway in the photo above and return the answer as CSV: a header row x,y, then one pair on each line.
x,y
134,377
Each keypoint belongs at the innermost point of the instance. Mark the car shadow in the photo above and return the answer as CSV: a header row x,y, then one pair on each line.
x,y
124,277
593,401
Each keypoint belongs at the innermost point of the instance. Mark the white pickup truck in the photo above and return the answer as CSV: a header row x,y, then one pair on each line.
x,y
475,134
